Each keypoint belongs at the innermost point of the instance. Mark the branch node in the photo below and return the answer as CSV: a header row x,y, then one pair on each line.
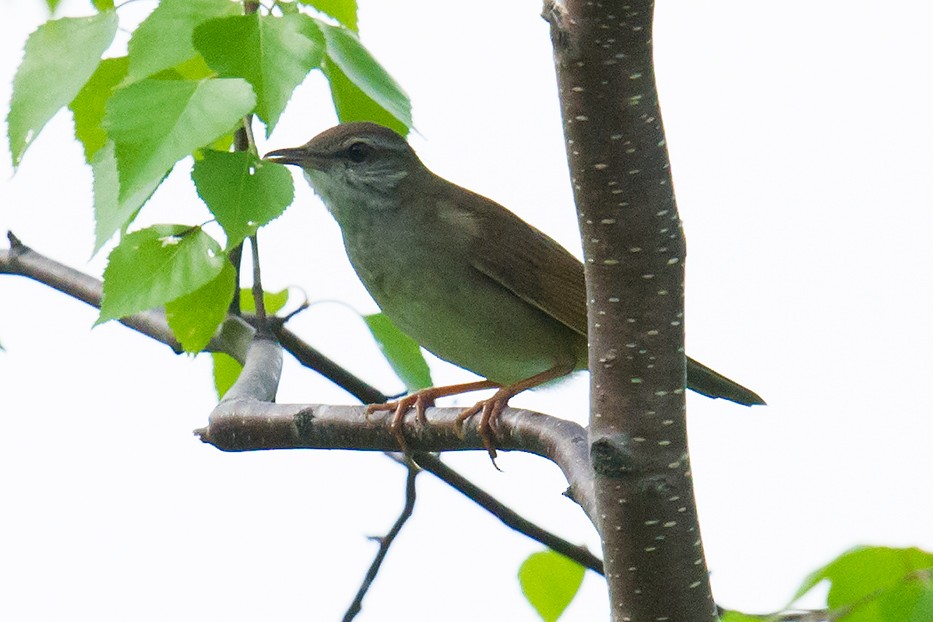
x,y
15,244
612,456
555,13
304,419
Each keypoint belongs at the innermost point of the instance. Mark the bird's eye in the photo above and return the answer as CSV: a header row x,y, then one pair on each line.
x,y
358,152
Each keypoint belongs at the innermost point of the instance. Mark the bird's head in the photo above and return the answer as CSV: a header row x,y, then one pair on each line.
x,y
353,166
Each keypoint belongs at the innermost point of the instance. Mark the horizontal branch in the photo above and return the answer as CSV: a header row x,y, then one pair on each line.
x,y
248,424
233,338
252,425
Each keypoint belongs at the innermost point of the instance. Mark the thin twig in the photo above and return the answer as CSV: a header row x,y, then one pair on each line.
x,y
315,360
367,394
384,543
508,516
258,298
21,260
235,256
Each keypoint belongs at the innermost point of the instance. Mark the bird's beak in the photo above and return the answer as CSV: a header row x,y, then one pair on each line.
x,y
299,156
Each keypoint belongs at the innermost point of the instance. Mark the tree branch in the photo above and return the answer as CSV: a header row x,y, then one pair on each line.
x,y
252,425
273,426
511,518
316,361
634,252
384,543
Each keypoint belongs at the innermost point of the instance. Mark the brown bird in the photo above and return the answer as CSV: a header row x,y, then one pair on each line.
x,y
463,276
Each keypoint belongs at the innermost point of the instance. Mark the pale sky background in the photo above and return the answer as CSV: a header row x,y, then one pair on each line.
x,y
800,134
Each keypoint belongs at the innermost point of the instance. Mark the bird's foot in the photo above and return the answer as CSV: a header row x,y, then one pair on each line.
x,y
490,410
422,400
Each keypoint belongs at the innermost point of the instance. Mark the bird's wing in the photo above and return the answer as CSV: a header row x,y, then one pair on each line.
x,y
529,264
542,273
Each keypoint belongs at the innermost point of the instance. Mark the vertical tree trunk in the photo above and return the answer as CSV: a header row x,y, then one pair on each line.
x,y
634,254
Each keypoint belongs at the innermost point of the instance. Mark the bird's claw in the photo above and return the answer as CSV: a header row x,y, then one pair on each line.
x,y
489,411
488,423
420,400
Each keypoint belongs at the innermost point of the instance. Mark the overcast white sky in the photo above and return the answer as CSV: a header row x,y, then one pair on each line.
x,y
800,135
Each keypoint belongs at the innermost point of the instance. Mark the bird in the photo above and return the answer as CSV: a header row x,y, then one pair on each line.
x,y
463,276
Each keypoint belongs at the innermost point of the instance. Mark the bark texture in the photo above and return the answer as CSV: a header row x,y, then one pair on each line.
x,y
634,255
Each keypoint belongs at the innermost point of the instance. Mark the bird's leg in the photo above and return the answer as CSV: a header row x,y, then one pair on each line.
x,y
421,400
491,408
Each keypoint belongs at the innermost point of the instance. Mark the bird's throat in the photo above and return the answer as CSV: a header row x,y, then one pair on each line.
x,y
347,197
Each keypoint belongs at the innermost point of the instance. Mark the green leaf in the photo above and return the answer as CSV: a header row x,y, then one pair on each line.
x,y
88,106
163,40
226,370
242,191
273,54
863,570
110,213
911,601
401,351
155,123
287,7
345,52
352,104
52,5
102,5
156,265
344,11
58,59
274,301
194,318
737,616
195,68
550,581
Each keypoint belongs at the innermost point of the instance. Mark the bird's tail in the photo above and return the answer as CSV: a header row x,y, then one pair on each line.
x,y
705,381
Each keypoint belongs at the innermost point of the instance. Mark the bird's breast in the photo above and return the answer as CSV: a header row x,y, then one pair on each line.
x,y
425,283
